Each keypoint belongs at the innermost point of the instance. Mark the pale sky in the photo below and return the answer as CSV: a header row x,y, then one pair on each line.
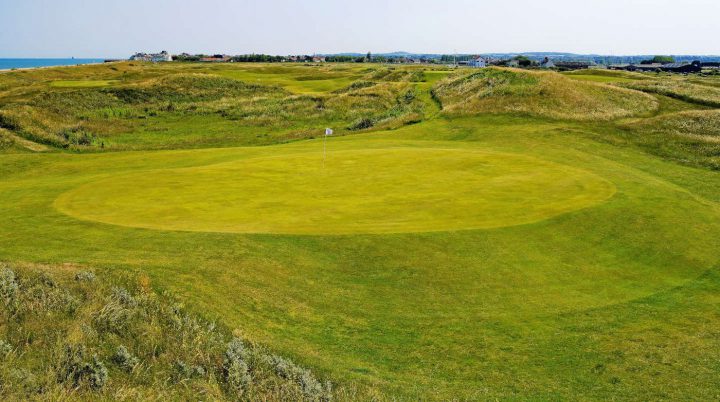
x,y
118,28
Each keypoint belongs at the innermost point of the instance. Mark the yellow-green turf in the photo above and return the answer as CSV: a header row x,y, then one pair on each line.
x,y
584,303
387,190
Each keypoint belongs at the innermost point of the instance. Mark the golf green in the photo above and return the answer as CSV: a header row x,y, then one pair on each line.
x,y
390,190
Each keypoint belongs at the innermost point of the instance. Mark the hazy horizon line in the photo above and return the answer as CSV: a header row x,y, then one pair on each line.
x,y
377,53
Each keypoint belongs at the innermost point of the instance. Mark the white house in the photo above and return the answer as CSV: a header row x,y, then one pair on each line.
x,y
154,57
478,62
162,56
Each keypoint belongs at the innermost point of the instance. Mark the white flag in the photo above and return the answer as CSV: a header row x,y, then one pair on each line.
x,y
328,131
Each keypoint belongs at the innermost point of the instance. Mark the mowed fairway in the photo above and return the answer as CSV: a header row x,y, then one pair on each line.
x,y
570,304
393,190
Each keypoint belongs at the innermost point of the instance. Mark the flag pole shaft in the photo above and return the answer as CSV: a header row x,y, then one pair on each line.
x,y
324,140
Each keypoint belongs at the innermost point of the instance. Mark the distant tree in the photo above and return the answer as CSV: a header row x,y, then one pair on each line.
x,y
368,58
663,59
659,60
523,61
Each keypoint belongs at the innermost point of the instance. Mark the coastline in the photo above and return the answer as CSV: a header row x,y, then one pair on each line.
x,y
5,70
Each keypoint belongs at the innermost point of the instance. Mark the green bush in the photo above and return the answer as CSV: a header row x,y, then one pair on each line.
x,y
78,372
361,124
124,359
77,136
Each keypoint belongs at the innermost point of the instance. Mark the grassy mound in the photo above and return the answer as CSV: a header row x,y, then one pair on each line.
x,y
542,94
689,136
65,333
680,89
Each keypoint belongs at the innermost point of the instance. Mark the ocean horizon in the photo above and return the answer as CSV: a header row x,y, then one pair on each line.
x,y
8,64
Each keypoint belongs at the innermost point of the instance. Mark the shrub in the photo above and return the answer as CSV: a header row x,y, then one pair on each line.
x,y
185,371
310,386
117,313
85,276
77,136
96,373
125,359
235,367
9,288
361,124
123,297
5,348
74,370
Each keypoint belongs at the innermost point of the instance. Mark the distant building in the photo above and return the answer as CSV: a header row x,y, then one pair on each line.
x,y
547,63
694,67
574,65
652,67
153,57
318,59
478,62
683,67
218,58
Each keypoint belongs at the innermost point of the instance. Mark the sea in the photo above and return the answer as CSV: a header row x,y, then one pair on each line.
x,y
8,64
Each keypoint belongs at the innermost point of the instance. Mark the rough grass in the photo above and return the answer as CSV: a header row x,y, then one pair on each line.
x,y
7,141
540,94
680,89
67,333
689,136
195,105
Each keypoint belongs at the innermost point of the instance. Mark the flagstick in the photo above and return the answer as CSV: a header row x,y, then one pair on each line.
x,y
328,131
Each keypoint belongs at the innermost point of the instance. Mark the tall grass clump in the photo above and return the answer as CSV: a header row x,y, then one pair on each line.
x,y
76,336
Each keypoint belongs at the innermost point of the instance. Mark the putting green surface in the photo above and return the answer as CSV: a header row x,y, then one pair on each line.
x,y
393,190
